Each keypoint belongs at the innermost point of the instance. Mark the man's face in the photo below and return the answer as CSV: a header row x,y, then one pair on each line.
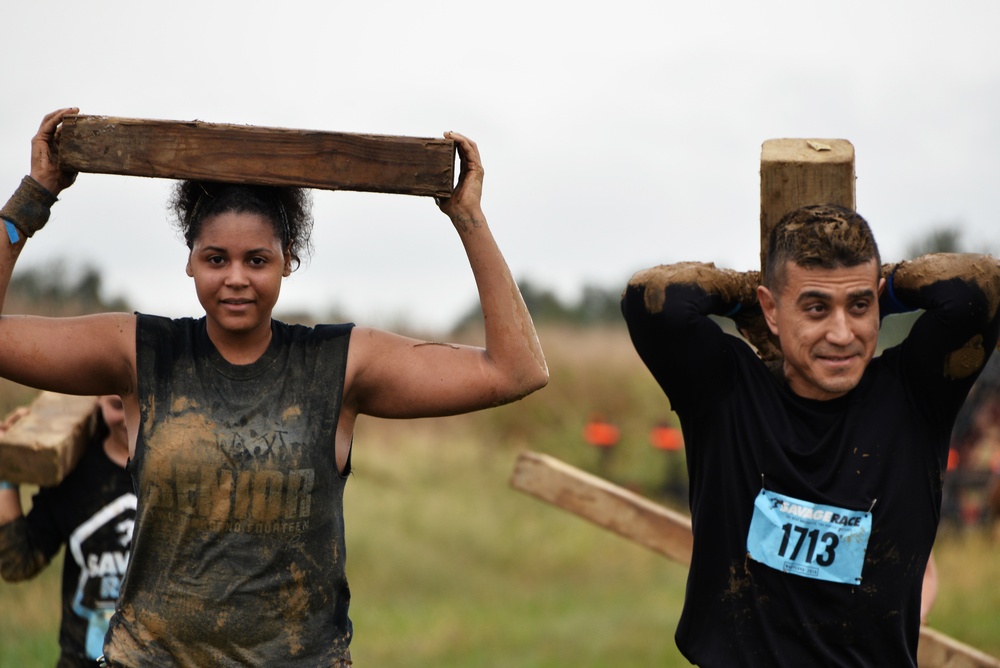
x,y
827,322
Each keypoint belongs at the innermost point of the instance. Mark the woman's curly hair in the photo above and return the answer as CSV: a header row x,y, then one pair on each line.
x,y
288,209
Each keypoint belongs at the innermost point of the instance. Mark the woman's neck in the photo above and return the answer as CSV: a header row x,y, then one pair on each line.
x,y
240,347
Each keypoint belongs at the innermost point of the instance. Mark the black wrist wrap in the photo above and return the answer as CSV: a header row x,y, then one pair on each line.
x,y
28,208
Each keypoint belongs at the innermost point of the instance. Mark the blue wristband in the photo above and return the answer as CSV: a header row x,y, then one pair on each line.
x,y
733,311
7,485
11,232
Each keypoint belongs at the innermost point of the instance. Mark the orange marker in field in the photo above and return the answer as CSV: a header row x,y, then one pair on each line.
x,y
665,437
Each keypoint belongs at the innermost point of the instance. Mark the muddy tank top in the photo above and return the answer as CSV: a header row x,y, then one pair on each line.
x,y
238,549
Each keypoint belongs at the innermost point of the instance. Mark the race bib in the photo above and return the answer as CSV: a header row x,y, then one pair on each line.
x,y
809,539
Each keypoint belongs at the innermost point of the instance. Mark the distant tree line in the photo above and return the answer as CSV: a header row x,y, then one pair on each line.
x,y
57,289
947,238
596,306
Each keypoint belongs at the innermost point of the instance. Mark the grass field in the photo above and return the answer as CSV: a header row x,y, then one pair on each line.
x,y
450,567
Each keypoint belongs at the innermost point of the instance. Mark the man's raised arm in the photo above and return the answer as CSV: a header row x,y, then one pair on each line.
x,y
960,293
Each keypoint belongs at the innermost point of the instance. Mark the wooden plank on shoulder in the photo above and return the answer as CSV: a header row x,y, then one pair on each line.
x,y
258,155
43,446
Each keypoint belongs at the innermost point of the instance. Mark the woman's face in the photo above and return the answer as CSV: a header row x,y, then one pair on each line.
x,y
237,264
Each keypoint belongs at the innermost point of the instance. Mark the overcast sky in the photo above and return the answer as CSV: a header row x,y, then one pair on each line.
x,y
615,135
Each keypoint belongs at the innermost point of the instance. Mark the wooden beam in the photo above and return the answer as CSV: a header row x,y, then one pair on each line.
x,y
799,172
606,505
937,650
43,446
258,155
669,533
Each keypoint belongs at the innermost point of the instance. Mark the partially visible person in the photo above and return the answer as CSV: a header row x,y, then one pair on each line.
x,y
928,589
975,444
91,512
994,495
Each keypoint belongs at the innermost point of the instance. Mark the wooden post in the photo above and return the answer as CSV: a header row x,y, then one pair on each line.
x,y
248,154
799,172
43,446
669,533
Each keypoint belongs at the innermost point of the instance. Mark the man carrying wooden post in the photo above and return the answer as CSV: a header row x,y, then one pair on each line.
x,y
815,468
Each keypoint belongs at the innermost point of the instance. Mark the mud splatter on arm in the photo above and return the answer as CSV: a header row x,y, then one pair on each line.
x,y
728,286
727,293
960,293
667,308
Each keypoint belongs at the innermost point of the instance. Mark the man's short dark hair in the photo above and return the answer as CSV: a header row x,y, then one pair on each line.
x,y
824,236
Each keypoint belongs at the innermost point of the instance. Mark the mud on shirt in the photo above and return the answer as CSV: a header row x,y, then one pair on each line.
x,y
878,451
238,551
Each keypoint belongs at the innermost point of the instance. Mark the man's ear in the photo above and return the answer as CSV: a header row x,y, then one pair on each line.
x,y
769,307
881,286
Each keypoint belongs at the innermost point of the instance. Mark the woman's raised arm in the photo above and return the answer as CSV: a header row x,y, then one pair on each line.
x,y
394,376
83,355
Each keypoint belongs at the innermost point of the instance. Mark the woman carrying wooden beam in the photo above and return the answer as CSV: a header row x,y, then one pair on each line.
x,y
241,427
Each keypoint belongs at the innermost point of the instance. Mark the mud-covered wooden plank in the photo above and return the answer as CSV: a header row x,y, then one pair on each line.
x,y
251,154
44,445
799,172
